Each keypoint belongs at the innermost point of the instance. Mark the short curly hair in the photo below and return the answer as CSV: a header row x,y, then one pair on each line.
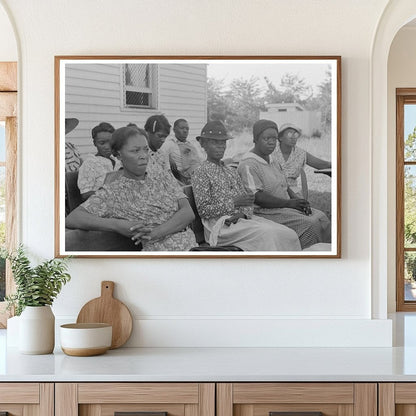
x,y
107,127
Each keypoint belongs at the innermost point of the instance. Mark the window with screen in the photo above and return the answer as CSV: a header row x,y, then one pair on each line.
x,y
139,85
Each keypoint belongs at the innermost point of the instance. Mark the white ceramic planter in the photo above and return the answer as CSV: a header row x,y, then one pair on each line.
x,y
37,330
12,334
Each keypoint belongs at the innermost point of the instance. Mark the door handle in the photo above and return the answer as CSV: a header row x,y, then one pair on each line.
x,y
138,414
295,413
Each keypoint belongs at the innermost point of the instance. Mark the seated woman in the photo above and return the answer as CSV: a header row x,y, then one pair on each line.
x,y
265,178
141,206
157,128
93,171
226,208
292,159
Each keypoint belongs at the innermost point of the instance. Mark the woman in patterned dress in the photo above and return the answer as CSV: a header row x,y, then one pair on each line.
x,y
226,208
139,205
272,194
293,159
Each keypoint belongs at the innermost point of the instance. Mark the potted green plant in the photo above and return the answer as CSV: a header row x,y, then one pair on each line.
x,y
36,289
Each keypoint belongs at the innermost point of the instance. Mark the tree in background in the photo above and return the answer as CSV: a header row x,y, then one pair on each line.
x,y
238,104
218,106
246,100
293,89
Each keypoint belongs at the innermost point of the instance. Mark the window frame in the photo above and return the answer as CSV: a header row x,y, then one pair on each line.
x,y
8,113
403,96
152,90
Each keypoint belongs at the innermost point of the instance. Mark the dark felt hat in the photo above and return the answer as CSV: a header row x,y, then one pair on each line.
x,y
70,124
261,125
214,130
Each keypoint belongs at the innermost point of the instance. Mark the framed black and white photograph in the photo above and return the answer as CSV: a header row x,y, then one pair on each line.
x,y
198,156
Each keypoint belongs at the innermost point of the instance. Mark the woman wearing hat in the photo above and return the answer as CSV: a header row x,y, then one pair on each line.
x,y
292,159
272,200
226,208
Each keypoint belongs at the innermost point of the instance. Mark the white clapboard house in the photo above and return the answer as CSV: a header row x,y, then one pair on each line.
x,y
122,93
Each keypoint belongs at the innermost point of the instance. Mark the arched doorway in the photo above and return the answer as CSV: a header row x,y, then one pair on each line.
x,y
396,15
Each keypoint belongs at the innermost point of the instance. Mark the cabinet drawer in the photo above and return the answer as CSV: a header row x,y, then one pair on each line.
x,y
147,399
397,399
21,399
268,399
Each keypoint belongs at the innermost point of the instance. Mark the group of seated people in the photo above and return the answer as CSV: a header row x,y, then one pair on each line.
x,y
133,186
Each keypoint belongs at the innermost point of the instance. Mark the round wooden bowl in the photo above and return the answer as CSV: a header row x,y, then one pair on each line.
x,y
86,339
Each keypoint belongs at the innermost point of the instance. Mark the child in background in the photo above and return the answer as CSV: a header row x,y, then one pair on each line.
x,y
94,169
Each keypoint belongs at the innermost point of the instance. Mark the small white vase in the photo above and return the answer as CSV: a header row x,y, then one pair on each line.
x,y
12,334
37,330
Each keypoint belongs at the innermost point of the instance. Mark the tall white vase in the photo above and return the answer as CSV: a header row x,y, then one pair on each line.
x,y
37,330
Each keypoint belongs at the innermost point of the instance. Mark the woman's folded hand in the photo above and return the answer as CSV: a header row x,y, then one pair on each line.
x,y
234,218
140,232
300,204
244,200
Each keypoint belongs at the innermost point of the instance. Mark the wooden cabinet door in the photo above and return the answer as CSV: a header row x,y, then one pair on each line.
x,y
297,399
397,399
143,399
26,399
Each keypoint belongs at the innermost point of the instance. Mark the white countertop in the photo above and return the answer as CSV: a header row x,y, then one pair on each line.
x,y
222,364
215,364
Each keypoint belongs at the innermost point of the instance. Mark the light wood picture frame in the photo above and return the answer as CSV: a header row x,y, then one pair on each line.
x,y
301,94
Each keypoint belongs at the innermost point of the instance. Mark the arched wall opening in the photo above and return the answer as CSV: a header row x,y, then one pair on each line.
x,y
396,15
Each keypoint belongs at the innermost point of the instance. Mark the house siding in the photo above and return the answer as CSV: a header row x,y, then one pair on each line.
x,y
93,94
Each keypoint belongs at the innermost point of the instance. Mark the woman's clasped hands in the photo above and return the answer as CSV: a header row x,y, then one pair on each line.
x,y
301,205
136,230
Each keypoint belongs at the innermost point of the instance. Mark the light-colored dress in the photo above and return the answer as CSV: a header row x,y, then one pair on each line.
x,y
152,201
215,186
292,166
93,171
268,177
184,155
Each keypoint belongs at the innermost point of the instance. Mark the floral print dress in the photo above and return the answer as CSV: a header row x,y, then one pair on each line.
x,y
152,201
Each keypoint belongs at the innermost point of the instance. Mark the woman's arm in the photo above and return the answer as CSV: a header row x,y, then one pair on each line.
x,y
180,220
265,200
317,163
82,219
86,195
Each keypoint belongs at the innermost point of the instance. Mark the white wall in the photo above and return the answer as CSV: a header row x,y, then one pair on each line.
x,y
203,302
8,46
401,74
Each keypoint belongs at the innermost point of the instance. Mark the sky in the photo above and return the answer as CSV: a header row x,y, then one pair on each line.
x,y
314,72
2,142
409,119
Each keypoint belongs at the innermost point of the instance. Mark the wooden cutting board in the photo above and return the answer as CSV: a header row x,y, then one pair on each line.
x,y
108,310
